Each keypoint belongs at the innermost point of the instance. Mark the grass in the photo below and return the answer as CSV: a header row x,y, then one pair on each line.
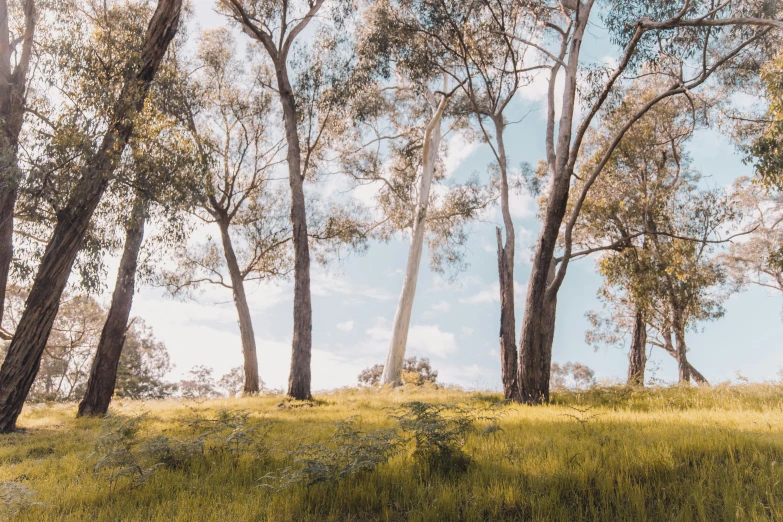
x,y
607,454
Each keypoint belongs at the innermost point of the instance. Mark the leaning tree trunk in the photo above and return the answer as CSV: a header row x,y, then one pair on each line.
x,y
694,373
103,373
508,343
301,349
392,370
24,354
637,356
13,80
243,311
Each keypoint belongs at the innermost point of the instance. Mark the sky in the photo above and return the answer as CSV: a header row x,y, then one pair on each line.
x,y
456,323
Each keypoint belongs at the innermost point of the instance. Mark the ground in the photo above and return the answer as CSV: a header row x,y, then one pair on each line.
x,y
606,454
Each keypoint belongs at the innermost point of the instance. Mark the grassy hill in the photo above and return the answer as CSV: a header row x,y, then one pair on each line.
x,y
607,454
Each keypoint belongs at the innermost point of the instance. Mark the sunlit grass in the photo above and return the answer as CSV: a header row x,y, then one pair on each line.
x,y
660,454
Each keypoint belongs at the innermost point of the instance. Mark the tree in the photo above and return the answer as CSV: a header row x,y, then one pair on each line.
x,y
308,99
758,260
659,36
13,83
199,384
581,376
227,113
21,364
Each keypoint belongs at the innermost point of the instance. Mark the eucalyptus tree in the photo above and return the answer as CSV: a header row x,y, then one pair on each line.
x,y
227,112
490,46
758,260
685,43
309,78
92,178
17,33
655,229
396,140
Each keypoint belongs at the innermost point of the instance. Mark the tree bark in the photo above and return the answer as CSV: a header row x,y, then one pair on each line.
x,y
535,347
12,107
508,343
301,349
24,354
681,349
103,374
243,311
637,356
695,374
392,370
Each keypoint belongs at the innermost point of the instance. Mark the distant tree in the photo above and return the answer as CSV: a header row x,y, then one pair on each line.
x,y
199,384
75,336
580,375
414,371
234,381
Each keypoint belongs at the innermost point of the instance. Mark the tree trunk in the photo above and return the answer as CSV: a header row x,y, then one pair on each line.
x,y
392,370
535,347
103,374
243,310
301,350
12,107
24,354
535,356
682,349
695,375
637,357
508,327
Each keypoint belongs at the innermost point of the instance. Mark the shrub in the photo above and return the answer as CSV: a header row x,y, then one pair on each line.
x,y
414,371
349,452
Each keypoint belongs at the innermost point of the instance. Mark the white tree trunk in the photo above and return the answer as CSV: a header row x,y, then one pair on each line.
x,y
392,371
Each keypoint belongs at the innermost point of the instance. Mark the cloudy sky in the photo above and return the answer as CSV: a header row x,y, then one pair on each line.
x,y
456,324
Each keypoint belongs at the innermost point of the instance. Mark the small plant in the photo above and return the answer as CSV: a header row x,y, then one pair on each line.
x,y
15,497
439,431
348,453
581,415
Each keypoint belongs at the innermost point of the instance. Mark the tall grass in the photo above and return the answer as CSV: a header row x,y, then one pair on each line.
x,y
605,454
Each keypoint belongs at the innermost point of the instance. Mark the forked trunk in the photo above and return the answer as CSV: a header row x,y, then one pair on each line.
x,y
392,370
637,356
24,354
301,349
243,311
103,374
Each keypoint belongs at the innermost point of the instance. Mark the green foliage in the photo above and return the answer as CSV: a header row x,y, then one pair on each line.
x,y
348,453
439,432
122,453
414,371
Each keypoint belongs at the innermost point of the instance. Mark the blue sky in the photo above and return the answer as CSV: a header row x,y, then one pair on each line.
x,y
456,324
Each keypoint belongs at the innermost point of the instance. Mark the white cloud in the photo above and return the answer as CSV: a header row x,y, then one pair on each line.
x,y
458,151
423,339
490,294
345,326
442,306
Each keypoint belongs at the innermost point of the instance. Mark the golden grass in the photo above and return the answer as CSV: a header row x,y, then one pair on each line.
x,y
661,454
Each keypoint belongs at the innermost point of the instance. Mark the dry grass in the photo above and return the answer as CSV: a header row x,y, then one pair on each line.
x,y
607,454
